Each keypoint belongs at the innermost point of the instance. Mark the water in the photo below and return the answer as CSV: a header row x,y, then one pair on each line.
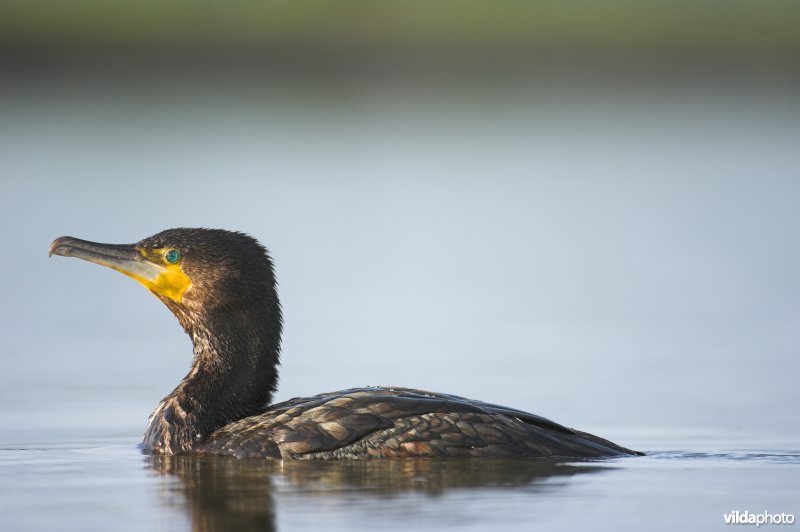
x,y
622,263
114,486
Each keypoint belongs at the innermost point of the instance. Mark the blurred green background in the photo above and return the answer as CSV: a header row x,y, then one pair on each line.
x,y
347,37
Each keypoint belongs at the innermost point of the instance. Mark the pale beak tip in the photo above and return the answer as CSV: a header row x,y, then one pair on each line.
x,y
59,247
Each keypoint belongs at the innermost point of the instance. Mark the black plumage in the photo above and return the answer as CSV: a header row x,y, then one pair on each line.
x,y
221,287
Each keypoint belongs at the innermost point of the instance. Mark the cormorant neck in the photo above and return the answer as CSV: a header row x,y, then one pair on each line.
x,y
233,375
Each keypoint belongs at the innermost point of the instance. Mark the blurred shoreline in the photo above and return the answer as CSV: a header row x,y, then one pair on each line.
x,y
313,74
488,43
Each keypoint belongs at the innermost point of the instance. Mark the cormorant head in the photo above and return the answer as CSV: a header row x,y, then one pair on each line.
x,y
195,272
221,287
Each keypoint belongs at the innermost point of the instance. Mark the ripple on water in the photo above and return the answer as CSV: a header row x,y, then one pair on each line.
x,y
772,456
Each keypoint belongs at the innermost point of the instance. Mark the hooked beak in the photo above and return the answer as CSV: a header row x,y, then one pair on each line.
x,y
160,279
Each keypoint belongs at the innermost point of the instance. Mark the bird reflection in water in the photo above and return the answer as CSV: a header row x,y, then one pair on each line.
x,y
220,493
217,493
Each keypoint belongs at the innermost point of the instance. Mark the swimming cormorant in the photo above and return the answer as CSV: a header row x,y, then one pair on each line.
x,y
221,287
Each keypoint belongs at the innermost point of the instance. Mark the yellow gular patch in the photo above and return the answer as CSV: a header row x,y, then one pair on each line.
x,y
172,283
159,276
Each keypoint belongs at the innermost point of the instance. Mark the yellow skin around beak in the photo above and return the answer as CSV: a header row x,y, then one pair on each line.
x,y
148,266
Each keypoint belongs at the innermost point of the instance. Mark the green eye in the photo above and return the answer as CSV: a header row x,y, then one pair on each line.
x,y
172,256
